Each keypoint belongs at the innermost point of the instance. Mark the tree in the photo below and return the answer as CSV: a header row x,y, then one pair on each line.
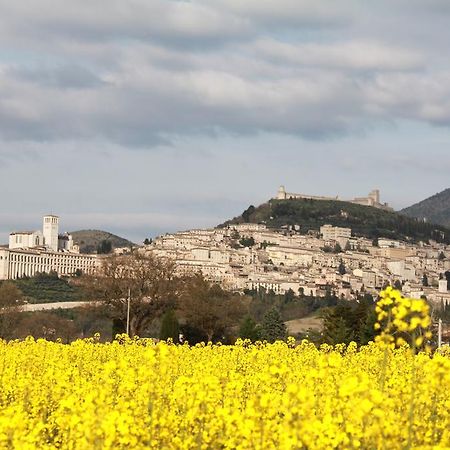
x,y
272,327
149,281
170,328
367,329
247,213
10,300
341,268
289,296
336,331
104,247
337,248
441,256
209,309
247,242
249,329
147,241
425,280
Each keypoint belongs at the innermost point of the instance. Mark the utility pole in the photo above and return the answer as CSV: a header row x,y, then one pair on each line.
x,y
439,333
128,312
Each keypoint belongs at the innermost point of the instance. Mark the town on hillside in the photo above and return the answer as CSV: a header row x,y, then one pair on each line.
x,y
251,257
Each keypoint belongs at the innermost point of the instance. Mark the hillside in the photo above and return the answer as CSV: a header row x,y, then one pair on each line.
x,y
435,209
363,220
45,288
88,240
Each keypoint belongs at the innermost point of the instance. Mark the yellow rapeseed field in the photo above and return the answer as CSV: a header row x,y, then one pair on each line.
x,y
132,394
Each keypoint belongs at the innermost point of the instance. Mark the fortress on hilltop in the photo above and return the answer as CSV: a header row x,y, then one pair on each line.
x,y
373,199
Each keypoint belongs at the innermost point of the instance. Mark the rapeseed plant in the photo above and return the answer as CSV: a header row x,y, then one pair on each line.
x,y
137,394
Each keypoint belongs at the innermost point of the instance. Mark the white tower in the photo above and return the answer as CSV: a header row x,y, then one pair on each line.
x,y
50,230
281,193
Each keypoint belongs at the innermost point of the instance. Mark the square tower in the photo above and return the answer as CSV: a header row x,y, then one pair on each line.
x,y
50,230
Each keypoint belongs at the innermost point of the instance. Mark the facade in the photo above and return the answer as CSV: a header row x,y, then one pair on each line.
x,y
32,252
283,195
19,263
330,233
26,239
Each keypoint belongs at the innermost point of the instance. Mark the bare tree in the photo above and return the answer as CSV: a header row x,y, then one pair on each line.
x,y
151,283
209,309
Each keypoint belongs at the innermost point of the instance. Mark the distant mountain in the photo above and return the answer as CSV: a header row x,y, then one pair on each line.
x,y
363,220
88,240
435,209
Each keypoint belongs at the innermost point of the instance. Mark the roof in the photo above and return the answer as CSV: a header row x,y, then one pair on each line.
x,y
22,232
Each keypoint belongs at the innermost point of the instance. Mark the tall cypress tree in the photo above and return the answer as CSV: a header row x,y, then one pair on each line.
x,y
170,328
272,327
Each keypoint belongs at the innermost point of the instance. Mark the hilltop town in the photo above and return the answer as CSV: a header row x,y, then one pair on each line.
x,y
251,256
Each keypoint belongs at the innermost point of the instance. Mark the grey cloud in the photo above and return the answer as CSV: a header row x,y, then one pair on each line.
x,y
144,93
171,21
144,106
64,77
174,22
283,13
359,55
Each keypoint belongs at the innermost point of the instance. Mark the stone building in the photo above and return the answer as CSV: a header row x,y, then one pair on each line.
x,y
32,252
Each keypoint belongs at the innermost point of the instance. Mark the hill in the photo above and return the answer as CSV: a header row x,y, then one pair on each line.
x,y
363,220
435,209
89,240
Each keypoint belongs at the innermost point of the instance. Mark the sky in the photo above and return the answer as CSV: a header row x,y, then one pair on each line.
x,y
142,117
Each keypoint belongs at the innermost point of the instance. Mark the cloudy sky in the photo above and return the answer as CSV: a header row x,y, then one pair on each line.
x,y
147,116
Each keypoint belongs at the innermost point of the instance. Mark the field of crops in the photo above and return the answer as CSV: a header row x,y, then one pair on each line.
x,y
136,394
132,394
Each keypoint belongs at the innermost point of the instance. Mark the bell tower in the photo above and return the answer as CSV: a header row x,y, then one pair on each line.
x,y
50,229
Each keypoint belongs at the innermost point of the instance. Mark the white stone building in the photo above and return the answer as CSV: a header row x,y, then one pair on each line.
x,y
20,263
330,233
32,252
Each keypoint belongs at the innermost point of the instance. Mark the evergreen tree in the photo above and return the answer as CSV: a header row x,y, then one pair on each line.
x,y
425,280
367,331
341,268
249,329
170,328
272,327
289,296
247,213
336,331
104,247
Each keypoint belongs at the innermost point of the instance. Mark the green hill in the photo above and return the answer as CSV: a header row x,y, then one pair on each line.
x,y
89,240
363,220
435,209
